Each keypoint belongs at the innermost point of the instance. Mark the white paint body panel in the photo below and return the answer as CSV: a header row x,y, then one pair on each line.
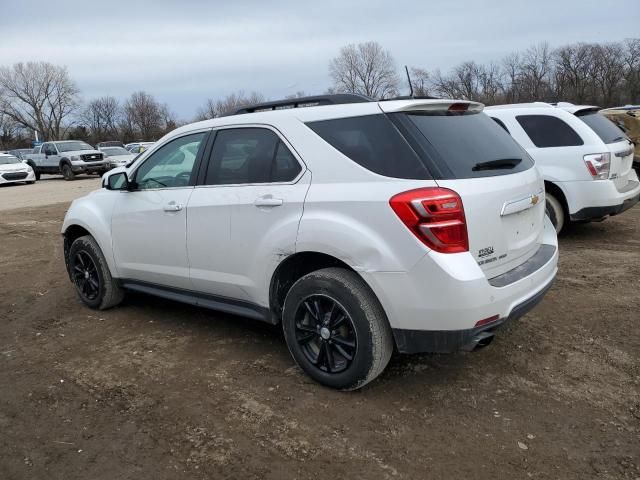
x,y
565,167
222,244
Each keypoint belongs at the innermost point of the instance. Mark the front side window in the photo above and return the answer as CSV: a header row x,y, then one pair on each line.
x,y
248,156
171,165
548,131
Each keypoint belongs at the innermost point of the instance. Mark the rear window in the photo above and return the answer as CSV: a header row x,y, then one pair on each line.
x,y
604,128
547,131
457,145
373,142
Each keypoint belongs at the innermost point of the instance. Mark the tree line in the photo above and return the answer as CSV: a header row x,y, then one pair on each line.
x,y
42,97
606,74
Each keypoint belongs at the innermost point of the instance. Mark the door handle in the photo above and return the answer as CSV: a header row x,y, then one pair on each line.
x,y
268,202
172,207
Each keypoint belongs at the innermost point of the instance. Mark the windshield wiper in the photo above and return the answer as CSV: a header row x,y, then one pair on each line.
x,y
497,164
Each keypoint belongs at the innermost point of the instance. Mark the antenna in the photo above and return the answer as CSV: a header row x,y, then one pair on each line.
x,y
406,69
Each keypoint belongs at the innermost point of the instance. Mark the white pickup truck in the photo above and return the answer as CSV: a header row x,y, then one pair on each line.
x,y
69,158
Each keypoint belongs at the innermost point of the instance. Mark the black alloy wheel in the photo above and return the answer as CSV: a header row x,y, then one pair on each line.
x,y
325,333
85,276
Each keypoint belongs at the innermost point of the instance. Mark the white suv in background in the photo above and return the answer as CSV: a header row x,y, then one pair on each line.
x,y
586,160
359,225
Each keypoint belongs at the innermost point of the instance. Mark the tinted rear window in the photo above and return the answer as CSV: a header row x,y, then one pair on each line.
x,y
548,131
604,128
452,145
373,142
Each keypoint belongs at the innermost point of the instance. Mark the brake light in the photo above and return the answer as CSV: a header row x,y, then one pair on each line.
x,y
458,107
598,165
434,215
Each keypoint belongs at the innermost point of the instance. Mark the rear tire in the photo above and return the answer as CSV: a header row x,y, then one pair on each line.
x,y
90,275
555,212
67,172
336,329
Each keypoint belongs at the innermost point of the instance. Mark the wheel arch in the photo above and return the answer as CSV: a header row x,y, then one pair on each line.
x,y
555,190
294,267
75,228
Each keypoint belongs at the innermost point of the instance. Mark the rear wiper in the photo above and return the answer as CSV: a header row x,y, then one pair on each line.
x,y
497,164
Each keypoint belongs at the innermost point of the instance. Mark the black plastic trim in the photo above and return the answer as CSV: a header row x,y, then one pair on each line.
x,y
317,100
449,341
594,213
212,302
540,258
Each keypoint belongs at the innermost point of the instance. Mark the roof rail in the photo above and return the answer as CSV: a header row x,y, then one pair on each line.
x,y
299,102
410,97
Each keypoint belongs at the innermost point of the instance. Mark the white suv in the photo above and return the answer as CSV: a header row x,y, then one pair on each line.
x,y
358,225
586,160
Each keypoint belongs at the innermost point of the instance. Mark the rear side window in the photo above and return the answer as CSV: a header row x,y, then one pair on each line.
x,y
468,145
604,128
373,142
548,131
250,155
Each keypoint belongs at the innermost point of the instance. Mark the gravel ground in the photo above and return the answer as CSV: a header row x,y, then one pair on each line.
x,y
46,191
159,390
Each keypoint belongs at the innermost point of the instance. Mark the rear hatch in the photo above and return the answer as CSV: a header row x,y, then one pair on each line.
x,y
501,191
617,143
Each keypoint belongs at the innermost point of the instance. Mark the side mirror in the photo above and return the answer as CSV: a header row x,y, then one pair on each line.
x,y
118,181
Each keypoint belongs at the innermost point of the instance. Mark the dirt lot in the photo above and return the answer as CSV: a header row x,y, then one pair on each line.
x,y
160,390
50,189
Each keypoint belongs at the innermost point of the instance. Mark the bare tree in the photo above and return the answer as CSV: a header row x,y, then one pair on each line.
x,y
144,117
39,96
608,72
102,116
420,80
574,71
511,72
216,108
632,69
535,73
8,130
366,69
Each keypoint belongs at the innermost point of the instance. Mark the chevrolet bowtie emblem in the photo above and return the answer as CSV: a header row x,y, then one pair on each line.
x,y
535,199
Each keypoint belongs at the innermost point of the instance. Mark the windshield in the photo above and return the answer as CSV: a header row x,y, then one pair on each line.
x,y
463,146
115,151
6,160
604,128
73,146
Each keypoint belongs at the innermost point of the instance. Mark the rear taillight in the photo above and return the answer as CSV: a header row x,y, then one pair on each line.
x,y
598,165
435,216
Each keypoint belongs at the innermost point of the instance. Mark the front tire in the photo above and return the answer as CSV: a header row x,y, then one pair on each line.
x,y
67,172
336,329
90,275
555,212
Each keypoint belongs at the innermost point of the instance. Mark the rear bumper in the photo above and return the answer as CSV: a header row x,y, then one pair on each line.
x,y
444,296
448,341
592,213
595,199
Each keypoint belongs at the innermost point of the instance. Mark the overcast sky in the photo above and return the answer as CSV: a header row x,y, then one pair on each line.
x,y
186,51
